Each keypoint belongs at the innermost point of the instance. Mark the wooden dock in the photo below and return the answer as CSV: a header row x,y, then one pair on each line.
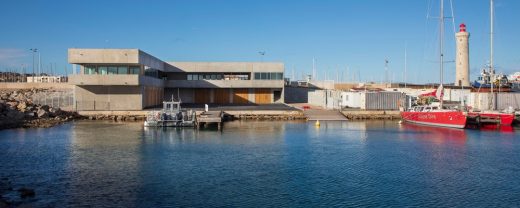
x,y
210,117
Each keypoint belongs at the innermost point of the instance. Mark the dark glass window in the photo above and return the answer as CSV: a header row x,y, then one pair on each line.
x,y
122,70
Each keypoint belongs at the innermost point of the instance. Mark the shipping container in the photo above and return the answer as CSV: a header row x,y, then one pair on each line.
x,y
351,99
506,100
328,99
383,100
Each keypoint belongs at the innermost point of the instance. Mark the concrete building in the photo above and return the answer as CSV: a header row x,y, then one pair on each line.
x,y
130,79
462,58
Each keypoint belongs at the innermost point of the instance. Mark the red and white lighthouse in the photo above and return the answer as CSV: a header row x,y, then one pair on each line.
x,y
462,57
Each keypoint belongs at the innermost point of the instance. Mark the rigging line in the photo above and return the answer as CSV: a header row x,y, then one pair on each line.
x,y
428,9
452,17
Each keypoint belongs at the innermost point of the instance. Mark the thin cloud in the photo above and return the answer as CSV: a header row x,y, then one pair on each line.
x,y
11,57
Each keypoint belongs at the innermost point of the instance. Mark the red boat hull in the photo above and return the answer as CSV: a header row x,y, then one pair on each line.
x,y
451,119
506,119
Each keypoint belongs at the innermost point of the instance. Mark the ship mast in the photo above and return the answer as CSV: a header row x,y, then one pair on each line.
x,y
441,48
491,67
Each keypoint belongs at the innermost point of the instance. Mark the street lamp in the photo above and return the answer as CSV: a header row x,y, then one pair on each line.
x,y
262,53
34,50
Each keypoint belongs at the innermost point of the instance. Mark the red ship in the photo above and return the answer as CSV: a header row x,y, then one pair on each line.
x,y
430,115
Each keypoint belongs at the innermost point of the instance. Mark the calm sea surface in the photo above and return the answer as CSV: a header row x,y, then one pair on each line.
x,y
263,164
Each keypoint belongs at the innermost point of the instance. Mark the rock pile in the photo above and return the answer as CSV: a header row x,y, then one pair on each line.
x,y
128,118
18,110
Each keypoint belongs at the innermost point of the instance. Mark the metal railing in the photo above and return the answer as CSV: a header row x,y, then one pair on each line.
x,y
59,99
91,105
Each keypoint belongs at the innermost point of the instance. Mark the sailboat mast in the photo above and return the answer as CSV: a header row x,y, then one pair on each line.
x,y
441,46
405,64
492,13
491,67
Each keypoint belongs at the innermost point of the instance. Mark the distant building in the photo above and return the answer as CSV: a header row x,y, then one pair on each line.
x,y
46,79
130,79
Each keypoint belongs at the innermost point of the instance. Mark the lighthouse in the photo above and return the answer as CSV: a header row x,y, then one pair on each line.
x,y
462,57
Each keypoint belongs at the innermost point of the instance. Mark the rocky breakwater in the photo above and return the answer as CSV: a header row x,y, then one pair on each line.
x,y
119,118
18,110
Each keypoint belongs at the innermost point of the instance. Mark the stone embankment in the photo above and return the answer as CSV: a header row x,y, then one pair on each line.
x,y
371,115
18,110
129,118
281,117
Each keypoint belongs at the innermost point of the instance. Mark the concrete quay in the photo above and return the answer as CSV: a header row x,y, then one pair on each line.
x,y
366,114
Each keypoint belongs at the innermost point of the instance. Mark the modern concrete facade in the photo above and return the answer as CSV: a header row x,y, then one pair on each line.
x,y
130,79
462,58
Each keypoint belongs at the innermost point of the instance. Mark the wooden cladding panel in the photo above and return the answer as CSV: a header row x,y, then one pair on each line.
x,y
240,96
263,96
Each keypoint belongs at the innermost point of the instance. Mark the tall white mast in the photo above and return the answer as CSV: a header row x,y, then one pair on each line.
x,y
441,47
491,67
492,13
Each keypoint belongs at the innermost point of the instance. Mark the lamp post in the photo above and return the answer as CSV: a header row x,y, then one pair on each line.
x,y
262,53
34,50
386,72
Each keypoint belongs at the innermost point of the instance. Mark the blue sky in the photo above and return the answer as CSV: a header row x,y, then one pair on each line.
x,y
345,36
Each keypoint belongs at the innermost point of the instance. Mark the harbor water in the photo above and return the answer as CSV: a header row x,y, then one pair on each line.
x,y
262,164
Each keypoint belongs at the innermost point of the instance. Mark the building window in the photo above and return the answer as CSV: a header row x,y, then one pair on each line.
x,y
122,70
135,70
268,76
102,70
190,77
90,70
112,70
279,76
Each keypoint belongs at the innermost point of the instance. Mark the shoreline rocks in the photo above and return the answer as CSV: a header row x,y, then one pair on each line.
x,y
118,118
372,117
17,110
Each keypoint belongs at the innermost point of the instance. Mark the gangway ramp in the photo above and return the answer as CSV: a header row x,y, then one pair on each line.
x,y
324,115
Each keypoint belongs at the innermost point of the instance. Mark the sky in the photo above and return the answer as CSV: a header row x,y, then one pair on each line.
x,y
349,39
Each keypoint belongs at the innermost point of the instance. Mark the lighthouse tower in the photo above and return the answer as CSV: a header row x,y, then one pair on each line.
x,y
462,60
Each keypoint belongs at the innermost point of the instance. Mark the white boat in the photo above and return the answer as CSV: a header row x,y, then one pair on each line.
x,y
170,116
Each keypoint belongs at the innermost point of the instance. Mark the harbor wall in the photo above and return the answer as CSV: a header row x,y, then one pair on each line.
x,y
30,85
371,114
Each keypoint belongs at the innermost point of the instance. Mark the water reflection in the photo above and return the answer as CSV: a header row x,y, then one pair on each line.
x,y
262,163
433,134
104,164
